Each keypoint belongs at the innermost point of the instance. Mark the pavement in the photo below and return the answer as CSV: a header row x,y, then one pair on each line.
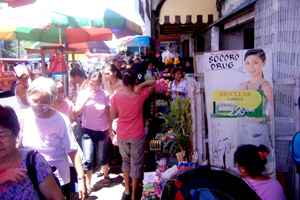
x,y
114,192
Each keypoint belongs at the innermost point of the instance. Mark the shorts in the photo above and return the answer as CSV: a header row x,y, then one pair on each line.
x,y
132,152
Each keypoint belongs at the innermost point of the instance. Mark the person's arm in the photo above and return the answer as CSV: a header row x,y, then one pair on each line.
x,y
81,104
268,92
147,84
13,174
113,113
74,155
21,92
107,112
50,189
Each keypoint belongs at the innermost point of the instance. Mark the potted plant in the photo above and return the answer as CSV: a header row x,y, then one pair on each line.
x,y
179,121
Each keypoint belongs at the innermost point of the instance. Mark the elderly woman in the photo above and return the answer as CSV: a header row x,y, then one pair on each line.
x,y
14,179
52,133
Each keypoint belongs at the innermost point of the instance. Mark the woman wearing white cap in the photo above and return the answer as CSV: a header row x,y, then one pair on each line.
x,y
22,75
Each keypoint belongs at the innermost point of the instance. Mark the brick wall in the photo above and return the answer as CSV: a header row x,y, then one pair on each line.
x,y
277,27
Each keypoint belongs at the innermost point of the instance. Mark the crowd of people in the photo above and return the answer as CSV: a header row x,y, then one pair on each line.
x,y
81,129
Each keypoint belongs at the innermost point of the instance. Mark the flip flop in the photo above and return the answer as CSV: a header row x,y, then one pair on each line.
x,y
106,183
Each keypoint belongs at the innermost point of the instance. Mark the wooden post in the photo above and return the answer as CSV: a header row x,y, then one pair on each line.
x,y
43,64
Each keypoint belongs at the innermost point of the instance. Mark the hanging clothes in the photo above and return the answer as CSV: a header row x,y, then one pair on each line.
x,y
58,64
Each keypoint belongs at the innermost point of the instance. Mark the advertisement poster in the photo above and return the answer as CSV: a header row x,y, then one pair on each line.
x,y
239,104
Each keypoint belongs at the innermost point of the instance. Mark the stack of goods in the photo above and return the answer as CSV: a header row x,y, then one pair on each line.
x,y
161,85
152,189
155,145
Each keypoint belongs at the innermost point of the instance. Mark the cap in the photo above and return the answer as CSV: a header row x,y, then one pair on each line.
x,y
20,70
118,58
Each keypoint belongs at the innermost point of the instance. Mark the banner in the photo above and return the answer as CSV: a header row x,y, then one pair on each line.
x,y
239,104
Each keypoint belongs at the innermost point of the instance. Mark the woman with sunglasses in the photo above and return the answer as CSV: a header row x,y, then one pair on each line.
x,y
49,132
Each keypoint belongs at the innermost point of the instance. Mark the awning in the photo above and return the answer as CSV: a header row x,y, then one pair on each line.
x,y
184,17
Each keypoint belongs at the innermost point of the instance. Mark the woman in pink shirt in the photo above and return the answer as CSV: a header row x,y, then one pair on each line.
x,y
63,105
93,104
250,160
128,106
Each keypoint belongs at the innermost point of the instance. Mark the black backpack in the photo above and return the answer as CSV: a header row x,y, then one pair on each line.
x,y
30,163
205,183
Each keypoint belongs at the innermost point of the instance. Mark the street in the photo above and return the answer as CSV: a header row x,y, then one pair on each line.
x,y
7,99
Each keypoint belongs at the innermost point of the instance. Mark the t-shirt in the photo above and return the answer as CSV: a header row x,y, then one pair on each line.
x,y
25,191
66,108
113,90
181,87
94,116
53,138
267,190
130,111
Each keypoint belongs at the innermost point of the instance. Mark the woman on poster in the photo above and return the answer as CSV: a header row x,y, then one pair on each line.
x,y
256,130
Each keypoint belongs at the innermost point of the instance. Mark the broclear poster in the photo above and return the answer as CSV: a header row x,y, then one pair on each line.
x,y
239,103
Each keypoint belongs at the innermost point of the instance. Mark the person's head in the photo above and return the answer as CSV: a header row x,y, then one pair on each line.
x,y
129,77
255,60
9,129
137,60
77,75
118,60
60,90
177,71
251,159
95,81
167,68
111,72
130,63
150,65
21,72
41,94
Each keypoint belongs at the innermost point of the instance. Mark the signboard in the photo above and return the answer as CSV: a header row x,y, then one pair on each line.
x,y
239,104
170,37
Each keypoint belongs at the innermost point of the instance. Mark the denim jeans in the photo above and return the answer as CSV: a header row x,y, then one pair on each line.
x,y
94,141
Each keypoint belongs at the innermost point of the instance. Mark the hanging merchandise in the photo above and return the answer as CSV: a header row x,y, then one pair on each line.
x,y
58,64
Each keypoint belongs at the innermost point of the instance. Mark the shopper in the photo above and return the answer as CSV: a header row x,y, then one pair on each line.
x,y
14,180
52,133
21,86
93,104
250,161
178,87
128,106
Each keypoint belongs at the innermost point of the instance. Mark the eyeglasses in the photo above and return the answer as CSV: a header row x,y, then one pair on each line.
x,y
5,135
34,103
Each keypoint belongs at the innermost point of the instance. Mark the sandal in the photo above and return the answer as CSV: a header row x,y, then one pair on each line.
x,y
106,182
126,196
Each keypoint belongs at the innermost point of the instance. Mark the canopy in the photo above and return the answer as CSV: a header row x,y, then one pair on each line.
x,y
36,23
135,41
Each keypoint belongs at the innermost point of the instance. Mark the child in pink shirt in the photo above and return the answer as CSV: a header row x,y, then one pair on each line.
x,y
128,106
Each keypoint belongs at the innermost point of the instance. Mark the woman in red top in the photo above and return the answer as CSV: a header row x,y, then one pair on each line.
x,y
128,106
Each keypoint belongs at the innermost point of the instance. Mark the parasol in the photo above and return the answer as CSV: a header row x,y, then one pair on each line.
x,y
52,24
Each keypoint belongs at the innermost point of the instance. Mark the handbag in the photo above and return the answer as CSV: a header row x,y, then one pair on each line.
x,y
30,163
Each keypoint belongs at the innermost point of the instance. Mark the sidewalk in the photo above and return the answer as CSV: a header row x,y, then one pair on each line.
x,y
114,192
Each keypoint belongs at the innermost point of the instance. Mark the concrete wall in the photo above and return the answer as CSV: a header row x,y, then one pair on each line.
x,y
231,5
227,43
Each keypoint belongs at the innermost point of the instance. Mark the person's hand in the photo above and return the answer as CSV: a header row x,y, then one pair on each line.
x,y
82,191
137,89
74,125
16,175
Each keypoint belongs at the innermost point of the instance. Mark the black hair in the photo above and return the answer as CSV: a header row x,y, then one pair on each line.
x,y
9,119
247,156
96,74
130,62
257,52
176,69
75,71
114,69
129,77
